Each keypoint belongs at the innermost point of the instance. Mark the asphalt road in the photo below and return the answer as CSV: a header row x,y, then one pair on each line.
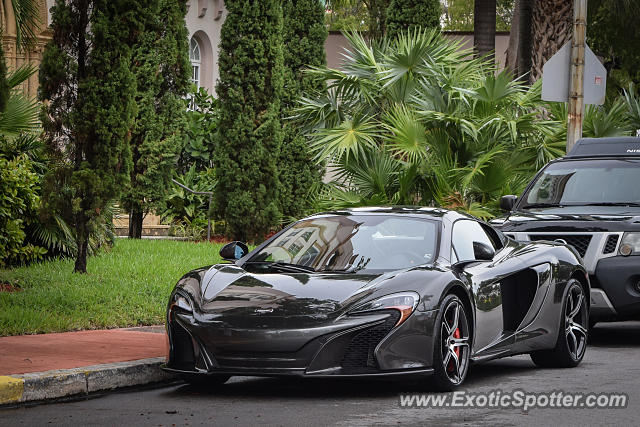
x,y
612,364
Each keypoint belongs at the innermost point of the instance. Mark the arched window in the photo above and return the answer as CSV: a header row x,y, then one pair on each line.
x,y
194,56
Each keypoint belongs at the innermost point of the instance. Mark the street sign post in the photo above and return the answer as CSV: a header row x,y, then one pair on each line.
x,y
556,72
575,75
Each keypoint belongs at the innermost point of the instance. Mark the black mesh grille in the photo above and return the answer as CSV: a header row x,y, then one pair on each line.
x,y
580,243
360,351
610,246
182,355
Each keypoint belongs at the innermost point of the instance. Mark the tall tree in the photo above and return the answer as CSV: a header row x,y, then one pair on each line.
x,y
511,54
161,66
551,28
484,27
613,35
376,11
408,14
85,78
377,17
249,91
525,38
304,35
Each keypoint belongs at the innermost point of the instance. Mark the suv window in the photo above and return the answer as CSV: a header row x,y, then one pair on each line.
x,y
581,182
465,232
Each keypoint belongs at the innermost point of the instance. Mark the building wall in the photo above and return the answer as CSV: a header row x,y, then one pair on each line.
x,y
15,57
204,22
336,44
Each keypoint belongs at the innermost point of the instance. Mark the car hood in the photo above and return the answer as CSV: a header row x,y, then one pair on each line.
x,y
571,219
230,291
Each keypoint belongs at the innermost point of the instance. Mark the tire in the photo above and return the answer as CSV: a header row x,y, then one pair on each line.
x,y
452,347
573,332
203,381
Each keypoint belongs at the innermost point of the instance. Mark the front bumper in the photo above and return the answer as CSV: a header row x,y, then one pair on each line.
x,y
363,347
615,292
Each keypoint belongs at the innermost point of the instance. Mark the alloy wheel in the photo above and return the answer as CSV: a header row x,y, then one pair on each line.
x,y
576,322
455,342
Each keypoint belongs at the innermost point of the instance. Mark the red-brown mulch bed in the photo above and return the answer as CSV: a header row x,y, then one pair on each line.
x,y
8,287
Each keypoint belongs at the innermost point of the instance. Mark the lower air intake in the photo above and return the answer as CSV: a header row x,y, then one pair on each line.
x,y
359,354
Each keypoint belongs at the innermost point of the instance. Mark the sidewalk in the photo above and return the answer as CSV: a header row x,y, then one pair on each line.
x,y
49,366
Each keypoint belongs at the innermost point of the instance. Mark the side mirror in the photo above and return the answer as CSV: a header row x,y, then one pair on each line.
x,y
233,251
508,202
483,252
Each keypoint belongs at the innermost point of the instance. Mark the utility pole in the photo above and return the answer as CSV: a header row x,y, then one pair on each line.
x,y
576,80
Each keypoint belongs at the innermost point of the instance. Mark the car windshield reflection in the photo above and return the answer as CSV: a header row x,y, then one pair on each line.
x,y
339,243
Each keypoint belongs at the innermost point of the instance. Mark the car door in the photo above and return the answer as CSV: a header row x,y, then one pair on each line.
x,y
484,278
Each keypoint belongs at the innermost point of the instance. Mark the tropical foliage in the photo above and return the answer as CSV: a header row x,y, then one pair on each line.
x,y
188,211
414,120
199,133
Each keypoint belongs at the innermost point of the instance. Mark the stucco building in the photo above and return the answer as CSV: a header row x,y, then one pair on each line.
x,y
204,21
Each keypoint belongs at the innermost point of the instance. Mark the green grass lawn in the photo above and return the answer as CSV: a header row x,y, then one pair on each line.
x,y
128,285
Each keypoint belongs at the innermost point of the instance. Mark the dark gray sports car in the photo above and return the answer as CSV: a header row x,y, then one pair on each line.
x,y
404,291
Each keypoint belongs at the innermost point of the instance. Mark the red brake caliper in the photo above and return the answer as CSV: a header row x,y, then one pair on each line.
x,y
456,334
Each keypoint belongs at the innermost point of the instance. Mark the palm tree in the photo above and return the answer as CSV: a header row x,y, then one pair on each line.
x,y
484,26
414,121
20,19
17,113
551,28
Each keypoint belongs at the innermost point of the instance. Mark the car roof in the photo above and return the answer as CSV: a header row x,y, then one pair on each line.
x,y
605,147
431,212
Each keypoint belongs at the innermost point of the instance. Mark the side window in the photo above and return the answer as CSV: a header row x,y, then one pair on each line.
x,y
465,232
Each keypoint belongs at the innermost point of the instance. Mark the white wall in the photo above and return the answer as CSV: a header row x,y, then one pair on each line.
x,y
204,20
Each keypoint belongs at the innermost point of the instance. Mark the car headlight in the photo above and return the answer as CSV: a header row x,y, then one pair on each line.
x,y
404,302
630,244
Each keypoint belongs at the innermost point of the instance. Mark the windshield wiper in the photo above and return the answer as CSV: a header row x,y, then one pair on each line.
x,y
285,266
627,204
542,205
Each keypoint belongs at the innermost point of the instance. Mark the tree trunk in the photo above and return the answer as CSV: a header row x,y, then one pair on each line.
x,y
511,54
377,10
82,240
484,27
525,39
135,223
551,28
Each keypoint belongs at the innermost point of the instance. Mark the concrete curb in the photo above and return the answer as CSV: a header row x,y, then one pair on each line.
x,y
41,386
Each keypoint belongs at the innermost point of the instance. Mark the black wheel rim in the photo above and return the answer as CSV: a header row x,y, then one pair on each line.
x,y
455,342
576,322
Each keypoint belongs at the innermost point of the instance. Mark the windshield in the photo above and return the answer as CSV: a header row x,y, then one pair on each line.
x,y
585,182
353,243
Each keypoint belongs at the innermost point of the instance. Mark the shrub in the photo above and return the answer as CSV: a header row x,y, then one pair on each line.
x,y
403,15
18,208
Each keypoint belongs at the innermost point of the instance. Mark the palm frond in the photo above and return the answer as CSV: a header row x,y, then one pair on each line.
x,y
351,138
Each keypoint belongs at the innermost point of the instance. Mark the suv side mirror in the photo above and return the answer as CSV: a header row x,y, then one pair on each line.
x,y
233,251
508,202
483,252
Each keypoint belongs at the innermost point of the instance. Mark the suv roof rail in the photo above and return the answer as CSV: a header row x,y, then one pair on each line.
x,y
606,147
